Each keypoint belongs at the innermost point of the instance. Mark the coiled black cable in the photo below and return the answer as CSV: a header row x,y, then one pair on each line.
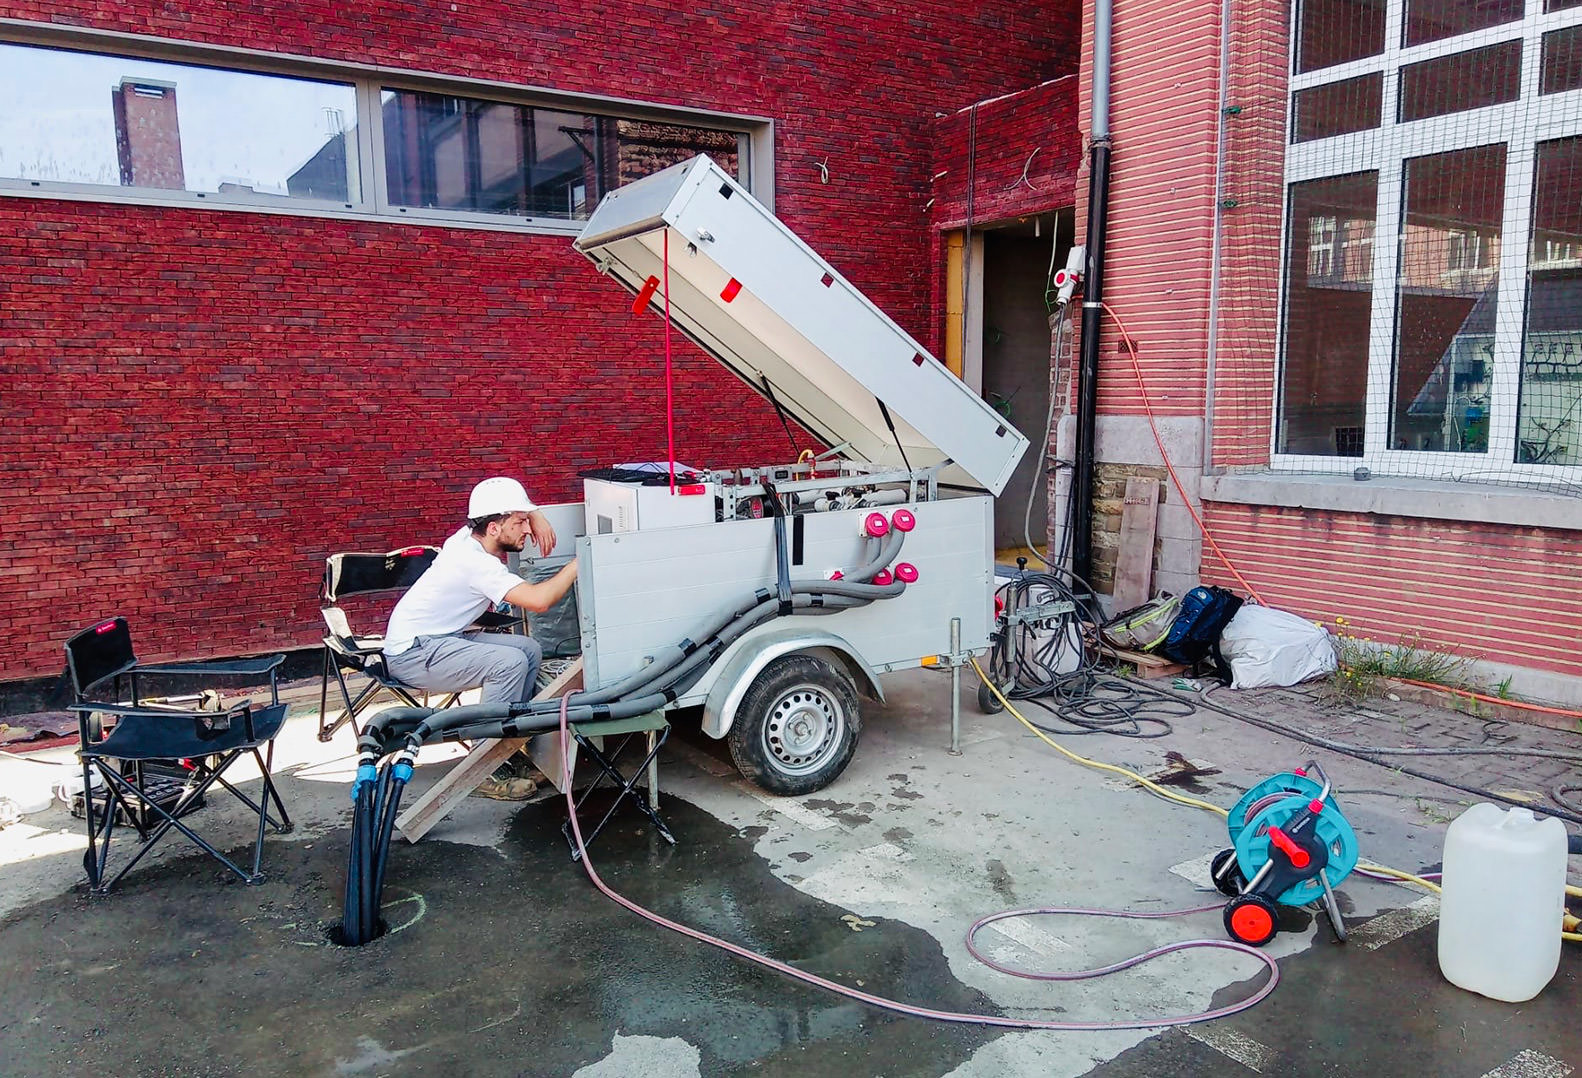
x,y
1027,664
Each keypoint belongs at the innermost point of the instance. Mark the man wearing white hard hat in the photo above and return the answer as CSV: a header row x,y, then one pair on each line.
x,y
429,644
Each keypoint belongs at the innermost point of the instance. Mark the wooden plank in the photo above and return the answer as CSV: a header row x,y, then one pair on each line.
x,y
479,764
1135,561
1148,666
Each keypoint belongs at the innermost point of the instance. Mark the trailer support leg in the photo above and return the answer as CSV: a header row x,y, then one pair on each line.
x,y
955,686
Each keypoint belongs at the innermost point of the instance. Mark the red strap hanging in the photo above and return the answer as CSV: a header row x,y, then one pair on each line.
x,y
670,415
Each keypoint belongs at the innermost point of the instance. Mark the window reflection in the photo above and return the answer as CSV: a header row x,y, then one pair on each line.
x,y
1549,424
1447,286
1561,63
1329,291
1465,80
1338,108
1435,20
82,118
1331,32
456,153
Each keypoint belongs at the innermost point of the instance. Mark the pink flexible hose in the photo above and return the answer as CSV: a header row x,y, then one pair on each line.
x,y
926,1012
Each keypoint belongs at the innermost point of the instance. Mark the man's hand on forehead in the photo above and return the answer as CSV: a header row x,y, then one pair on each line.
x,y
542,531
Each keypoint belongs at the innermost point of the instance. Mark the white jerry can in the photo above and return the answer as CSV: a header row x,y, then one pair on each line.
x,y
1503,900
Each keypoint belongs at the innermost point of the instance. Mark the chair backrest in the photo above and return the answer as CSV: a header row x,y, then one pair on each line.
x,y
99,653
362,574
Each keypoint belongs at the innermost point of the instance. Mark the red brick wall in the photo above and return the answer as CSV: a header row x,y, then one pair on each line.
x,y
991,144
1244,381
1483,591
1035,129
199,405
1163,105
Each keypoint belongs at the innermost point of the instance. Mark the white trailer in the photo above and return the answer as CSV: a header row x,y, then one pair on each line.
x,y
902,432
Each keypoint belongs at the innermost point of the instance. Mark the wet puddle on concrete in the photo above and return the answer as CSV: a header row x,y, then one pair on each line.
x,y
506,962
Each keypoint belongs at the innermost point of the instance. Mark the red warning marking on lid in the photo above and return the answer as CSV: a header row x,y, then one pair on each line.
x,y
732,287
692,488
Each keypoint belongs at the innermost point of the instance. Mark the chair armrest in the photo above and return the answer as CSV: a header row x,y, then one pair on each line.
x,y
262,664
128,709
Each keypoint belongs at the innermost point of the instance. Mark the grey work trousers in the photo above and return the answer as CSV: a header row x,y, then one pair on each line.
x,y
503,664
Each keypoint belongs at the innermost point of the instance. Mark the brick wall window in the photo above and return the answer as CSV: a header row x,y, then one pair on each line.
x,y
86,120
473,155
168,123
1431,315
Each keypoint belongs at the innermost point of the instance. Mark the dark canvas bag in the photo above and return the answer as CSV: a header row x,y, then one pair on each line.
x,y
1195,634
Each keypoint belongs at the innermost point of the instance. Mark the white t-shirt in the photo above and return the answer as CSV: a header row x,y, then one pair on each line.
x,y
464,581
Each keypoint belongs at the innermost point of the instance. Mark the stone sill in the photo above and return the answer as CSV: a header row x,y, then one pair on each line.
x,y
1432,499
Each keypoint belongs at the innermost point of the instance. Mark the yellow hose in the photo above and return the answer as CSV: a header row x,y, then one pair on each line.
x,y
1154,787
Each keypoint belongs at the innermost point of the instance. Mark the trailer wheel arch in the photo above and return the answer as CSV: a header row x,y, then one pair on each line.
x,y
740,667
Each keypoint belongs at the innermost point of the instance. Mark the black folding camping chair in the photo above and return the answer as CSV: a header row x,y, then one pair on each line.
x,y
156,763
650,731
348,652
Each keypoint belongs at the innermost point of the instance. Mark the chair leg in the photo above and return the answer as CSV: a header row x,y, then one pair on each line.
x,y
627,788
170,820
90,860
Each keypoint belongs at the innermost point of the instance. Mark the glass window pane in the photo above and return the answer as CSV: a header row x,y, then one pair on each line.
x,y
74,117
1337,108
1435,20
1549,424
455,153
1466,80
1332,32
1329,297
1447,284
1561,69
647,147
1560,5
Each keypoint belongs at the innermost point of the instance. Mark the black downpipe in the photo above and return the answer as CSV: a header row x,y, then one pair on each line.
x,y
1088,369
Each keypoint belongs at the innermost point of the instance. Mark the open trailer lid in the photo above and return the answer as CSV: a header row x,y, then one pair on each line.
x,y
759,300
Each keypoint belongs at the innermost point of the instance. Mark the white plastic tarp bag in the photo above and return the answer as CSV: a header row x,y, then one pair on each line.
x,y
1268,648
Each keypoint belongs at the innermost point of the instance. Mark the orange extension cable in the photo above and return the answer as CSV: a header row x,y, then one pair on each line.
x,y
1174,478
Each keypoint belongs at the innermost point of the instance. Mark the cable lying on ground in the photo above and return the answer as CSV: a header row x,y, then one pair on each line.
x,y
1049,664
910,1010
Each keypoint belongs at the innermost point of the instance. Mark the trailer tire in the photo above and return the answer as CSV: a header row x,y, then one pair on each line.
x,y
797,726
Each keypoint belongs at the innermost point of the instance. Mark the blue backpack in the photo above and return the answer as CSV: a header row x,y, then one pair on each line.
x,y
1194,635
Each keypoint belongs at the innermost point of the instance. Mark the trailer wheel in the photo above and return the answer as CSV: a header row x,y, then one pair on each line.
x,y
797,726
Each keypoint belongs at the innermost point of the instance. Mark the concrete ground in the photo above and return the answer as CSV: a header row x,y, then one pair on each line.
x,y
502,958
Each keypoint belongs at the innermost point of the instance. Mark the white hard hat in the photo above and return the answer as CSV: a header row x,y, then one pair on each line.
x,y
498,494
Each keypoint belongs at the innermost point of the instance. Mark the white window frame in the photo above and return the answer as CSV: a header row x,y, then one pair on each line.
x,y
755,134
1520,125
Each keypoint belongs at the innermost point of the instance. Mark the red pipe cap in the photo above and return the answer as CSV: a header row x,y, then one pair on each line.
x,y
906,573
875,524
882,577
903,520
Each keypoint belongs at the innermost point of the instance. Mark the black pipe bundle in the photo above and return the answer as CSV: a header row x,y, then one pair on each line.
x,y
376,795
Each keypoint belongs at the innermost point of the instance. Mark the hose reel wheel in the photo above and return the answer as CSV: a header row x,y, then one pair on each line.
x,y
1252,919
1269,791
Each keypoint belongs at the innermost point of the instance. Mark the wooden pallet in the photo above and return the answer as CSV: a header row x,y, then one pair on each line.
x,y
1148,666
